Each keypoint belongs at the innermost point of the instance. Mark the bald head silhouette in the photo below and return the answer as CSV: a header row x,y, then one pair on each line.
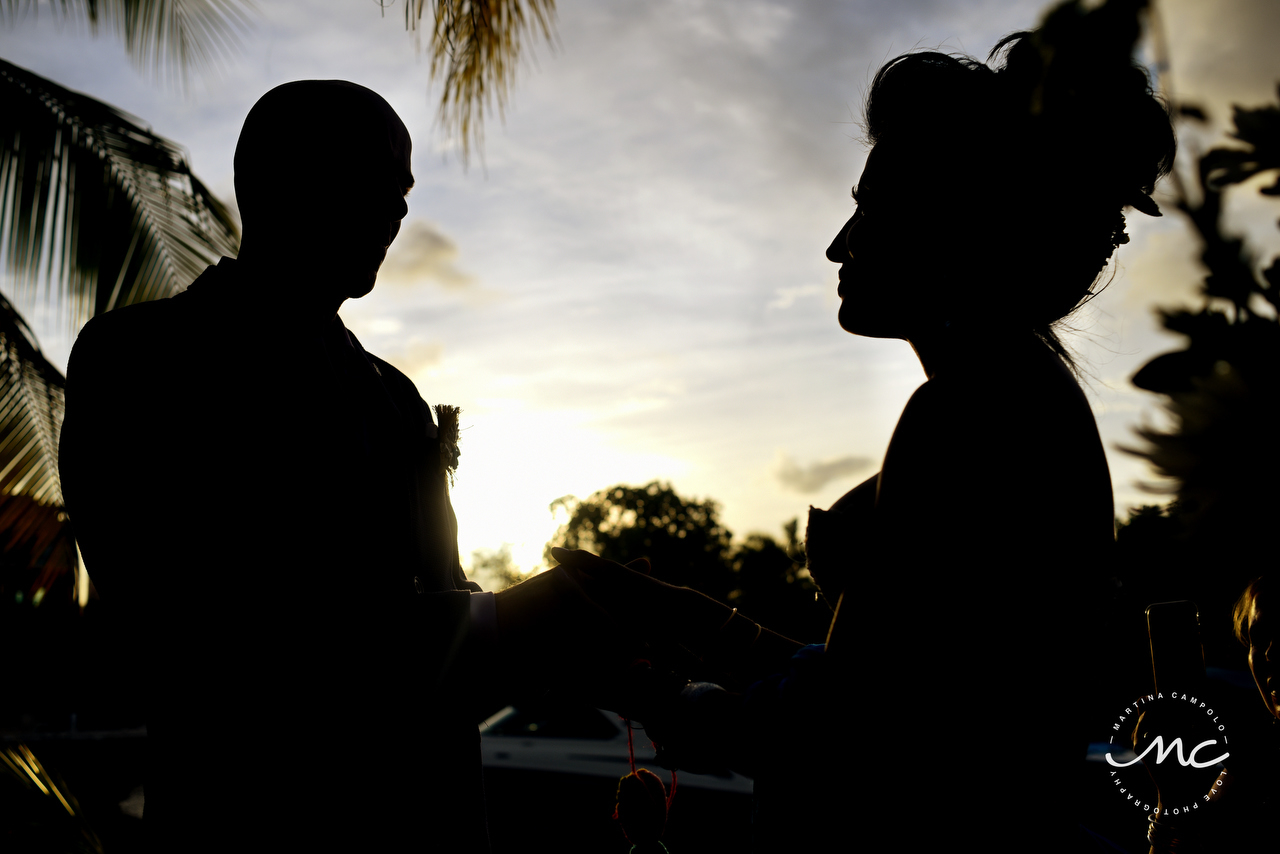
x,y
322,169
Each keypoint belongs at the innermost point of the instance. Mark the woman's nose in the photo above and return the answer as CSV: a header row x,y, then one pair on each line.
x,y
838,251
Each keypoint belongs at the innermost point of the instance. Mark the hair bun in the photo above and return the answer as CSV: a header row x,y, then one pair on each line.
x,y
1076,83
1060,125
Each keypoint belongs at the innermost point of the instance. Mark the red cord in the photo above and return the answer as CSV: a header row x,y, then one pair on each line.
x,y
671,793
631,748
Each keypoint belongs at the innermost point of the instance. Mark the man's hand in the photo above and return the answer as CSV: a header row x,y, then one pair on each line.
x,y
665,613
549,630
629,593
527,611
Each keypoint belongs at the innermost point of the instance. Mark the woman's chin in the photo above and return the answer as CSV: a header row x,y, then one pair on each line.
x,y
864,323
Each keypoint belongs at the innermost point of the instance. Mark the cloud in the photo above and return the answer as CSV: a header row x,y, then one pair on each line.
x,y
811,478
422,252
786,297
415,357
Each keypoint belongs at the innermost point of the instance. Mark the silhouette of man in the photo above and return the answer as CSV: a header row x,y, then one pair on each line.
x,y
267,504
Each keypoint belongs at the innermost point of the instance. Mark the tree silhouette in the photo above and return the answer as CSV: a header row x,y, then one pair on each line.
x,y
686,544
1222,392
772,586
682,538
494,569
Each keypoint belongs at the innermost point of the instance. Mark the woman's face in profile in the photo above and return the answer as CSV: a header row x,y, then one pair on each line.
x,y
897,250
1264,656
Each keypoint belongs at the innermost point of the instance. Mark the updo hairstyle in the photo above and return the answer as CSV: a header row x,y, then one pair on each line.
x,y
1039,150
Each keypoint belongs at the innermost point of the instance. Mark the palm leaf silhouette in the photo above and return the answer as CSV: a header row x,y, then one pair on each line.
x,y
96,212
31,408
34,537
170,37
475,46
99,207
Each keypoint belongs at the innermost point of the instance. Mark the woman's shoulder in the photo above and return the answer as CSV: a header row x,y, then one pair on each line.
x,y
969,440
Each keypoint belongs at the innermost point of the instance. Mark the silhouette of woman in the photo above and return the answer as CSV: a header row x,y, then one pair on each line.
x,y
990,204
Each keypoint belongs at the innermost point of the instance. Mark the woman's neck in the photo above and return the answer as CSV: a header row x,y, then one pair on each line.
x,y
952,348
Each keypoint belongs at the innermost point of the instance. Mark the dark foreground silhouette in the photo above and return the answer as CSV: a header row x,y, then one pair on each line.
x,y
268,504
966,570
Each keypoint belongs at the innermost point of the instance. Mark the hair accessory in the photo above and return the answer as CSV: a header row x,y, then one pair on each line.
x,y
1142,202
1119,236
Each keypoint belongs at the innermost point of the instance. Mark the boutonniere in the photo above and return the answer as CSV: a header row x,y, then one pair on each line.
x,y
447,430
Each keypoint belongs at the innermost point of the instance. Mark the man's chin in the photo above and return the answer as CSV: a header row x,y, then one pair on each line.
x,y
362,286
357,279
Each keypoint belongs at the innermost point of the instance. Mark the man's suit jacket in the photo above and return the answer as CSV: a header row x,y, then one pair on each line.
x,y
269,510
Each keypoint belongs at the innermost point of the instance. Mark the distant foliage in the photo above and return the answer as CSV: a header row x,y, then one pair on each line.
x,y
494,569
1223,393
686,544
1224,387
683,538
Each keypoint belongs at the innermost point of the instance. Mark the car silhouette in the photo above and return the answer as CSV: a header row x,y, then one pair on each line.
x,y
581,740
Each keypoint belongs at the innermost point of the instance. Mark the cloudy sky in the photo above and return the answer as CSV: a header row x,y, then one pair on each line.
x,y
632,286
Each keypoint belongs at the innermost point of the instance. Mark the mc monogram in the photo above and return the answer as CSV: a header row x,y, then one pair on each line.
x,y
1175,747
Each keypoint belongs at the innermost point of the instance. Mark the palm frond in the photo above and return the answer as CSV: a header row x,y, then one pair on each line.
x,y
35,539
163,37
31,410
475,46
21,765
95,206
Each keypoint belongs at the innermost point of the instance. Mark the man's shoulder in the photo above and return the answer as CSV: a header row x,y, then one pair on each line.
x,y
396,380
126,330
139,318
153,325
392,375
405,394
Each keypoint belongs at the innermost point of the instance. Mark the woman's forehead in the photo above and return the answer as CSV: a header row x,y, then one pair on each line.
x,y
903,162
